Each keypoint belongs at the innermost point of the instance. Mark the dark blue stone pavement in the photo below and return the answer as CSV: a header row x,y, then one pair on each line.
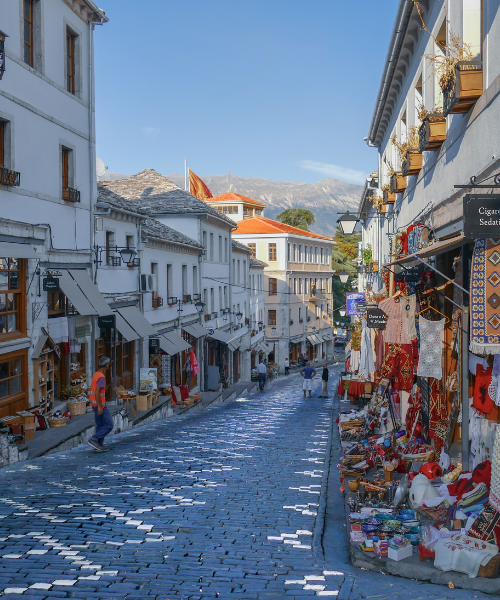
x,y
220,503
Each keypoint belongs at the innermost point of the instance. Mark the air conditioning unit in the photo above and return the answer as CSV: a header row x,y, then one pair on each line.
x,y
148,283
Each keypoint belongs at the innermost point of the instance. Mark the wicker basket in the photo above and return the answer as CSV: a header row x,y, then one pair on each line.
x,y
490,569
61,422
77,408
352,424
353,458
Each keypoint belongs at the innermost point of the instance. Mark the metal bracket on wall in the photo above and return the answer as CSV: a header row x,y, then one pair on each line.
x,y
473,184
36,309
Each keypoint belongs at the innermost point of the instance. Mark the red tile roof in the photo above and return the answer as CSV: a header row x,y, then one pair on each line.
x,y
232,197
263,225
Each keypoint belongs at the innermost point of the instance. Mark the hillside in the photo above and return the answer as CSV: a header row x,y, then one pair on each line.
x,y
324,199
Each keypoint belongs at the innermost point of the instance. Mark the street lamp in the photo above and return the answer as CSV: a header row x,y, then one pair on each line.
x,y
273,330
199,306
342,312
344,276
347,223
128,255
260,323
239,315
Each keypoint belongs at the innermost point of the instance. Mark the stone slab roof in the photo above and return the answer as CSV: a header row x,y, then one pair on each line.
x,y
151,227
255,262
157,195
239,246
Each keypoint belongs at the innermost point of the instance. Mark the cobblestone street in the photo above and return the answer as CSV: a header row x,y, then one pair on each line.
x,y
220,503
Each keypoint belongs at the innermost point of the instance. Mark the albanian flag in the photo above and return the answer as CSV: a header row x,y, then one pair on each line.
x,y
198,188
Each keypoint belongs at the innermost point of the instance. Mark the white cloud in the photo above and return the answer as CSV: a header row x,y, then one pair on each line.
x,y
150,131
335,171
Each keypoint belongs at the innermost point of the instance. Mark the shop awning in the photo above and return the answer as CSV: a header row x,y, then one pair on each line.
x,y
433,250
312,340
74,294
124,328
167,346
221,336
91,292
196,330
327,337
13,250
83,293
176,340
136,320
263,347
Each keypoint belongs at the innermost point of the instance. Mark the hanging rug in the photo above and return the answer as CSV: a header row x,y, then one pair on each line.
x,y
485,297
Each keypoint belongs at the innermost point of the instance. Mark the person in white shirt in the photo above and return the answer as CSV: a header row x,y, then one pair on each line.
x,y
261,369
287,366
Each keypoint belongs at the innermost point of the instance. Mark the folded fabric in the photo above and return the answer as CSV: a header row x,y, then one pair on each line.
x,y
464,554
478,494
460,487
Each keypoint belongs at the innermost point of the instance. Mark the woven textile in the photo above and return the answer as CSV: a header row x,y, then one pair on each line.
x,y
487,526
408,309
485,298
495,475
431,348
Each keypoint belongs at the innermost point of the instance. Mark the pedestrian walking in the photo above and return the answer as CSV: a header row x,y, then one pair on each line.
x,y
307,373
324,380
261,370
287,366
97,397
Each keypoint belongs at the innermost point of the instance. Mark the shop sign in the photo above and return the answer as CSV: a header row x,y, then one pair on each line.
x,y
481,216
351,300
154,345
210,330
410,274
51,284
107,322
376,318
148,379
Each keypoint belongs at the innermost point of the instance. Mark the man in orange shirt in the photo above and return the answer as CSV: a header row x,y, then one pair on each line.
x,y
97,397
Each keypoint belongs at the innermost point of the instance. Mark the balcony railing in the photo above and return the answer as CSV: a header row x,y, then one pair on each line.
x,y
8,177
71,195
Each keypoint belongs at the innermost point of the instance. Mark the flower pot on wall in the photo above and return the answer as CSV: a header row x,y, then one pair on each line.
x,y
432,132
463,93
389,197
398,183
412,163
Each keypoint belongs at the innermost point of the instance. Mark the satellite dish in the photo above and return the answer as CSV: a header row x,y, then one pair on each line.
x,y
100,167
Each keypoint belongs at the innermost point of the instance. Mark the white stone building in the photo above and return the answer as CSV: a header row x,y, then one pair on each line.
x,y
48,190
297,288
466,144
149,274
178,209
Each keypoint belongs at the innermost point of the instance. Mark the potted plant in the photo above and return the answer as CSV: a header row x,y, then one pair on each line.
x,y
432,131
366,253
398,183
389,197
411,158
460,77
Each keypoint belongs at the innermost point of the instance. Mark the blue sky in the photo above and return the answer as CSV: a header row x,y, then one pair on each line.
x,y
280,89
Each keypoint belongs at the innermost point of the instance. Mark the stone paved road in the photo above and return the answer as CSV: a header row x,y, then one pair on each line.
x,y
221,503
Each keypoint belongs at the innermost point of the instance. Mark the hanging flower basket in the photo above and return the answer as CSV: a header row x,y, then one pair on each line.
x,y
462,92
412,163
398,183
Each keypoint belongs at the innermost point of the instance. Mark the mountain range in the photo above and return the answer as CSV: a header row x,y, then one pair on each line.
x,y
325,199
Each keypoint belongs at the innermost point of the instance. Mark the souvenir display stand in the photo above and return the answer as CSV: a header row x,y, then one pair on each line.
x,y
421,461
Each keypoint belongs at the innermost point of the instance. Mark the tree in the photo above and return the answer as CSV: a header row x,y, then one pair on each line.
x,y
343,254
297,217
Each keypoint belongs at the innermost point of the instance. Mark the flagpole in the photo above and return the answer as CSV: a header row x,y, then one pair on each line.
x,y
185,174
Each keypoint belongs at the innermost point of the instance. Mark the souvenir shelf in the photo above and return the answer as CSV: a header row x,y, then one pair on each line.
x,y
43,376
43,372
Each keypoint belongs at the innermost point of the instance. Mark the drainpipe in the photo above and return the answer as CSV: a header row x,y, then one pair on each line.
x,y
92,180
